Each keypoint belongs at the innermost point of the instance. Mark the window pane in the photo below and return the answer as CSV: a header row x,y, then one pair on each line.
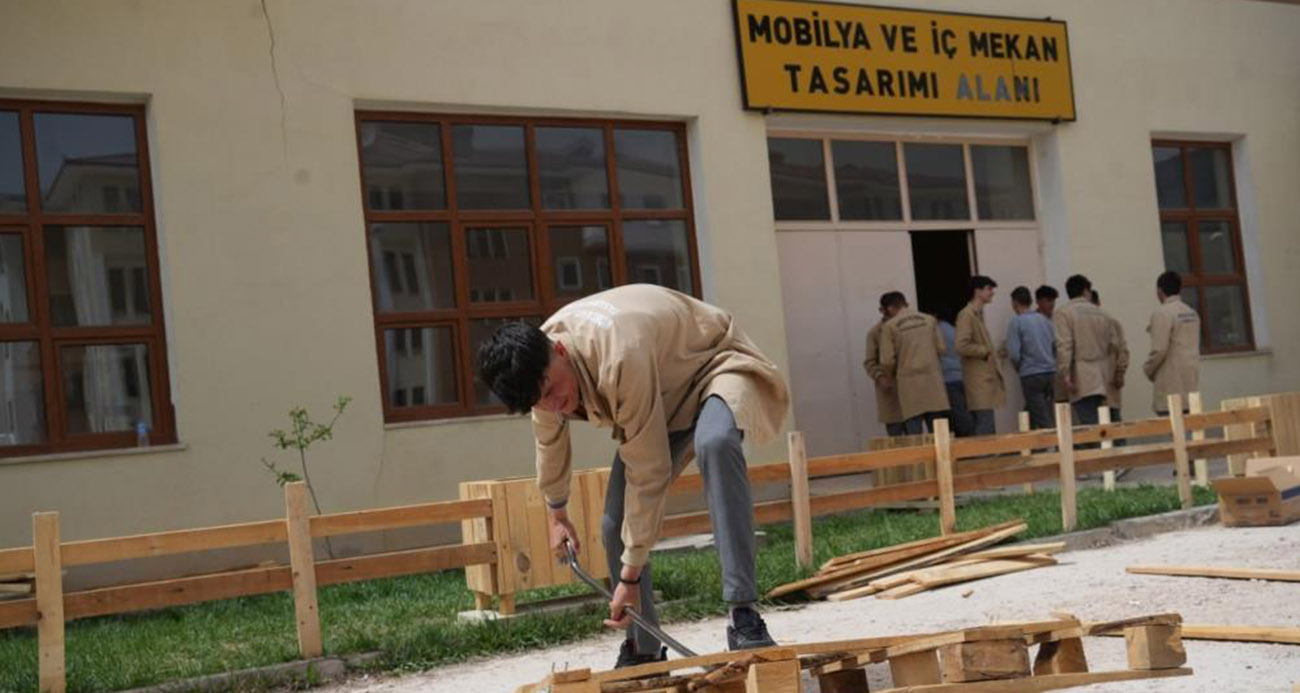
x,y
12,196
798,172
480,330
936,181
1173,235
87,163
658,253
1002,188
421,366
500,265
412,267
1192,298
866,180
1170,189
571,166
22,409
1225,311
490,165
580,260
649,174
1217,256
402,165
106,388
1211,178
80,262
13,281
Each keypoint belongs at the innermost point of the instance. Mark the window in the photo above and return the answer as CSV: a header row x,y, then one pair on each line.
x,y
890,182
475,221
1201,238
82,351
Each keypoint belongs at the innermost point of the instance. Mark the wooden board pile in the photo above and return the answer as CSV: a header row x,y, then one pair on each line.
x,y
900,571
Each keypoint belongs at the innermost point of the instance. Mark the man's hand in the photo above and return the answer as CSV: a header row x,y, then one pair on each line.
x,y
1069,384
886,382
562,530
625,596
1119,382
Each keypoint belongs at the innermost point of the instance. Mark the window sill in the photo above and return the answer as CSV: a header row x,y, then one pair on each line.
x,y
399,425
92,454
1266,351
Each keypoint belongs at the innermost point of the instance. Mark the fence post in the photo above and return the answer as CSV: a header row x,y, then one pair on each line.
x,y
1179,434
1065,443
799,499
943,474
1108,476
46,543
1023,420
303,566
1200,465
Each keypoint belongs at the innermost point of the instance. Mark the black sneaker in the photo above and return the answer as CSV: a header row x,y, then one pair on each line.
x,y
748,632
628,657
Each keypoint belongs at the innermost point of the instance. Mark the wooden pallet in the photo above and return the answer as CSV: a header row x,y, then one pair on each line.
x,y
986,658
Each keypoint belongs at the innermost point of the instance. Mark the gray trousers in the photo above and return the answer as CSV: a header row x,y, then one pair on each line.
x,y
1040,395
962,425
721,459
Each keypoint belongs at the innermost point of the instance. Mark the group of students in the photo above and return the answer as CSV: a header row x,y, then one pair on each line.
x,y
925,368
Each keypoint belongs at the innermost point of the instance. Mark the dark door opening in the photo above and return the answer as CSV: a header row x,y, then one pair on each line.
x,y
943,265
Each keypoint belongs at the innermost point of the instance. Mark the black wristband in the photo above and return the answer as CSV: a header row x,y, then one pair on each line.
x,y
626,581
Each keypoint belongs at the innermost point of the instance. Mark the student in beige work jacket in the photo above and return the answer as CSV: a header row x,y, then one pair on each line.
x,y
1085,342
979,357
1118,366
887,409
909,352
672,376
1175,359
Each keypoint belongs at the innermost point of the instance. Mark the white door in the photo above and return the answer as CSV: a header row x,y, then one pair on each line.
x,y
1012,257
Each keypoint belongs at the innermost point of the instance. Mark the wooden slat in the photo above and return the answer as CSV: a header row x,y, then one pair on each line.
x,y
1273,634
1022,420
400,517
410,562
17,560
932,543
175,592
835,465
1018,550
1200,465
692,482
1121,430
939,577
982,446
799,499
1108,477
479,579
173,542
49,603
1047,682
698,522
305,608
1229,417
17,612
1065,442
856,500
1231,573
1179,434
943,476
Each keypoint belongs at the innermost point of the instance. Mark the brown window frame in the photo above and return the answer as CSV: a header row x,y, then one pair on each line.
x,y
535,218
30,224
1191,216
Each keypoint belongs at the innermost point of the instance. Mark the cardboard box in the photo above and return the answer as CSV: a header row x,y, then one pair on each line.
x,y
1269,493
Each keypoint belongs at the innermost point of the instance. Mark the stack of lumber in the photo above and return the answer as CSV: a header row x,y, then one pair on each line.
x,y
900,571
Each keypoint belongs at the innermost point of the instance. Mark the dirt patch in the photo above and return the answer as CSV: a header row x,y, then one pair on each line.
x,y
1091,584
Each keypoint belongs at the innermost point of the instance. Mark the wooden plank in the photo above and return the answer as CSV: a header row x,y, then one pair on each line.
x,y
173,542
1035,684
1199,421
1179,435
1216,572
1065,442
900,591
799,500
1155,647
1019,550
698,522
977,571
858,462
982,446
17,612
705,661
692,482
49,603
916,668
481,579
1022,420
17,560
400,517
541,562
943,476
409,562
844,681
1200,466
984,660
931,643
1273,634
516,547
1061,657
856,500
303,573
1108,476
1122,430
774,677
593,556
935,543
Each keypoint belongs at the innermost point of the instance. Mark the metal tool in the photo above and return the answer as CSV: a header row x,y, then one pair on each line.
x,y
638,618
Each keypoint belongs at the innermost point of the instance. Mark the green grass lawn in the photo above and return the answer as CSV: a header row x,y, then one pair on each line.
x,y
412,620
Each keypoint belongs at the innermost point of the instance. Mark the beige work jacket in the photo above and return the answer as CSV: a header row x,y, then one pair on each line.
x,y
910,346
1085,342
1118,367
646,358
1174,362
979,361
887,407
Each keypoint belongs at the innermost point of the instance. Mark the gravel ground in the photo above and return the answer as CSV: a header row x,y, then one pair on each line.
x,y
1091,584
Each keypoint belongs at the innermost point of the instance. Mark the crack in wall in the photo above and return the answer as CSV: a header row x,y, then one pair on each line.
x,y
275,75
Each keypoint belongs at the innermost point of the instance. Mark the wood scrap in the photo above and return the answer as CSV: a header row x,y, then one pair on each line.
x,y
1216,572
1281,635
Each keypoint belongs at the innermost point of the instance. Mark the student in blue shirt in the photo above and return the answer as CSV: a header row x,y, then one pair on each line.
x,y
1031,346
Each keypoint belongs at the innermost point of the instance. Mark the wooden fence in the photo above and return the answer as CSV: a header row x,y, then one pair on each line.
x,y
49,555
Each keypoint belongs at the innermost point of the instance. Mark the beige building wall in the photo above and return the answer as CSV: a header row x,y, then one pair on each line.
x,y
259,209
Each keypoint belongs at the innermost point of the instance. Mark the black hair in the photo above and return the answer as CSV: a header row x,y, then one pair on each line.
x,y
980,281
1020,296
1096,297
1170,283
892,299
1076,285
512,363
1046,292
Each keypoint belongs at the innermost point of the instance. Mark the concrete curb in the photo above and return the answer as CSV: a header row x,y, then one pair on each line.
x,y
1134,528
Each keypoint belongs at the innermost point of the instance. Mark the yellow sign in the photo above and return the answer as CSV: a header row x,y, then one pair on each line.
x,y
817,56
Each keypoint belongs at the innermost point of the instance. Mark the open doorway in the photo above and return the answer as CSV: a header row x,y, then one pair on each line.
x,y
943,264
